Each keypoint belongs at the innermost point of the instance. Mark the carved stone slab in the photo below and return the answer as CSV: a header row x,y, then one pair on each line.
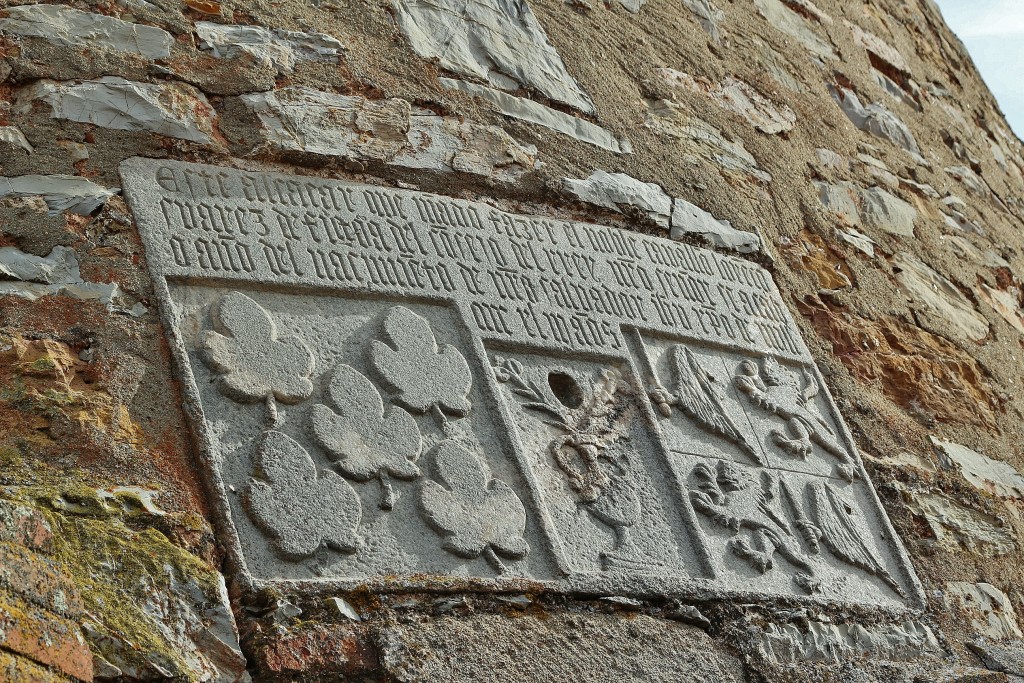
x,y
397,389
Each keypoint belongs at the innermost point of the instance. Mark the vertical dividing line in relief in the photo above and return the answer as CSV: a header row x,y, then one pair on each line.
x,y
507,432
639,359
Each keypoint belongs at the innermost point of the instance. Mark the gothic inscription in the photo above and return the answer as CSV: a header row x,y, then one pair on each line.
x,y
388,384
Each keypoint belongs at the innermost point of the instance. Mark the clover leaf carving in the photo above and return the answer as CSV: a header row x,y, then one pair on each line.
x,y
254,364
299,508
424,376
476,516
365,441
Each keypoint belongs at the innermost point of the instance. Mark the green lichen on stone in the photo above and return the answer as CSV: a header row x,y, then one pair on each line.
x,y
104,542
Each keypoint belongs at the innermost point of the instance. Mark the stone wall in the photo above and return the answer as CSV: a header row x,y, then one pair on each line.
x,y
850,148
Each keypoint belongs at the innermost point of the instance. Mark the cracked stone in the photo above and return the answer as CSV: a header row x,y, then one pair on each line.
x,y
66,26
877,120
858,240
172,109
1007,658
615,190
390,131
938,296
703,141
60,192
11,136
534,112
273,49
998,478
500,43
738,97
791,23
689,219
991,610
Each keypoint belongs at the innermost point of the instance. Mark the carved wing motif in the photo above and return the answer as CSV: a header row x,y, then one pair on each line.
x,y
365,441
424,376
699,399
843,534
300,510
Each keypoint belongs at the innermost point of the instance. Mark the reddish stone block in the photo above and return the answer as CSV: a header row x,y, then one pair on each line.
x,y
17,669
324,648
44,637
38,580
24,526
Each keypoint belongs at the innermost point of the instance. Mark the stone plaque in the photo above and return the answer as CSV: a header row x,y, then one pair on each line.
x,y
398,389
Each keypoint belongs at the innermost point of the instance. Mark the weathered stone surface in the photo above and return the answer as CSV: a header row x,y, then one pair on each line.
x,y
289,419
1005,302
24,526
689,219
12,137
615,190
528,110
39,581
738,97
894,356
888,213
701,141
44,637
998,478
60,192
875,119
708,15
1007,658
67,26
826,641
172,109
792,24
58,273
390,131
938,296
563,647
500,43
959,528
272,49
991,611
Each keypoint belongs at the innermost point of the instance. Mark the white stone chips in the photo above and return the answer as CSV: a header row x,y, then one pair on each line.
x,y
68,26
391,131
533,112
172,109
60,192
500,43
276,48
614,190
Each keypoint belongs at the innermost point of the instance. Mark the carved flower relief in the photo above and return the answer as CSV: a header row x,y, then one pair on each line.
x,y
475,516
365,441
423,376
299,508
254,364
